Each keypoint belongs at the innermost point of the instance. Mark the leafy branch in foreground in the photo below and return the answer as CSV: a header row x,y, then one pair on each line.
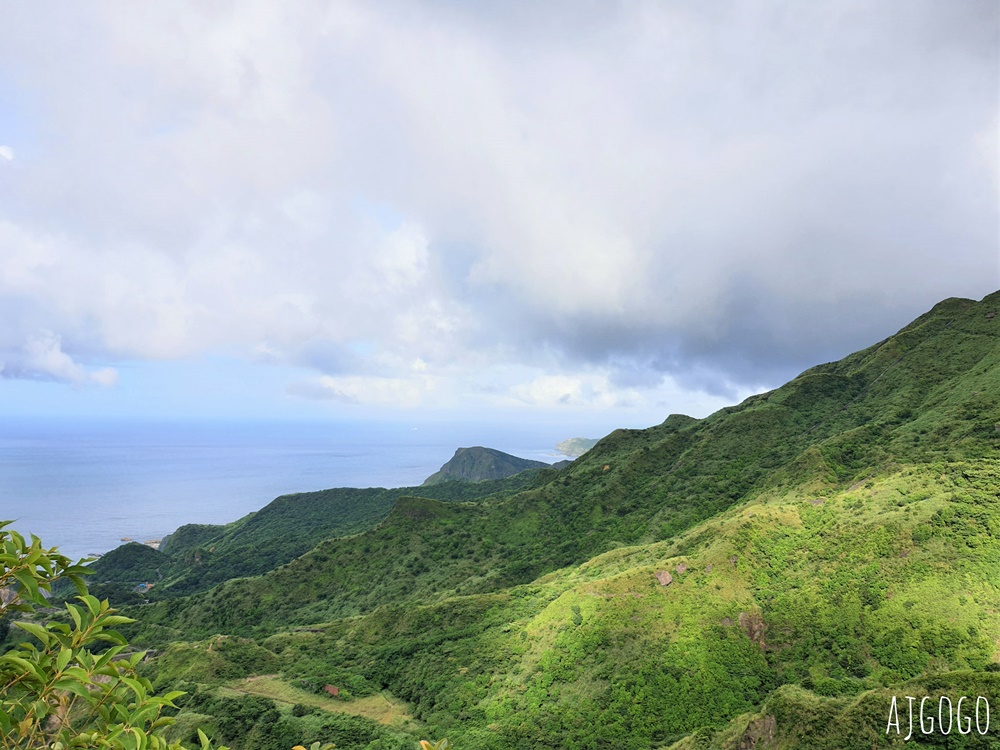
x,y
77,687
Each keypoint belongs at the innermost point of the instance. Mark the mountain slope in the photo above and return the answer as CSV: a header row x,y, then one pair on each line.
x,y
743,580
478,464
875,586
197,557
930,392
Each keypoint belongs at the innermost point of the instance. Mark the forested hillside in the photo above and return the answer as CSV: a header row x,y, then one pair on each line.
x,y
764,577
198,556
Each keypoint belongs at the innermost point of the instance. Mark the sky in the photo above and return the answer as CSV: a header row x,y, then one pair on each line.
x,y
595,212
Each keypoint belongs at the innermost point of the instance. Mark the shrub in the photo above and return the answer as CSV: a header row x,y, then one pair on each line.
x,y
75,684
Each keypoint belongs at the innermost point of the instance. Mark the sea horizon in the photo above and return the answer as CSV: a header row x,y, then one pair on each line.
x,y
84,485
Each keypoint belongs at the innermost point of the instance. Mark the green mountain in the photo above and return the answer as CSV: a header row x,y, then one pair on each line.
x,y
479,464
131,561
766,577
198,556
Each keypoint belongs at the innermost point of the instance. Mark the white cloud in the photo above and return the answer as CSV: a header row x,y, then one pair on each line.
x,y
42,357
6,153
405,393
400,260
664,188
107,376
562,390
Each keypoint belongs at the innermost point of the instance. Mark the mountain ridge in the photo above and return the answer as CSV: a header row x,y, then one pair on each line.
x,y
711,462
738,580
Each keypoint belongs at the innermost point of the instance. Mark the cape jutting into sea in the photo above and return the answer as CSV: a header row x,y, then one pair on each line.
x,y
82,486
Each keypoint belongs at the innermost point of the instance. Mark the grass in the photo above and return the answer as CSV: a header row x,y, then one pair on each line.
x,y
381,708
848,600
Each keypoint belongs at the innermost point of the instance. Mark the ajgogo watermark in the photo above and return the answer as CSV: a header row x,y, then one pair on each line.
x,y
964,716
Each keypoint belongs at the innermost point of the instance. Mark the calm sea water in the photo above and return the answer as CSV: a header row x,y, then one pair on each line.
x,y
82,487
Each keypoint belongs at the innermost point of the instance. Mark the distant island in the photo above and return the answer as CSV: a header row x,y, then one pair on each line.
x,y
576,447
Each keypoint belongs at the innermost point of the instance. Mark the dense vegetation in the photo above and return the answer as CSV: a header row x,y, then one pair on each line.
x,y
480,464
766,577
198,556
71,681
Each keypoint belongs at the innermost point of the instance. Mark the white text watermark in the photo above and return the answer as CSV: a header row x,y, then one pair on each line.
x,y
928,715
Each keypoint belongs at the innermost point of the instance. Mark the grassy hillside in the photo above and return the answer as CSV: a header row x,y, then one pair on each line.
x,y
843,597
764,577
198,556
794,718
873,587
928,393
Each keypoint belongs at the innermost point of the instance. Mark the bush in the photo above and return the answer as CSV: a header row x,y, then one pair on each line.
x,y
78,685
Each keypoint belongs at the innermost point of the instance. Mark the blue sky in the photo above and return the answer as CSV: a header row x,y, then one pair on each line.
x,y
595,215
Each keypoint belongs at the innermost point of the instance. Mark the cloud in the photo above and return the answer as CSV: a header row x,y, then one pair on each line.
x,y
6,153
106,376
317,390
609,203
407,393
562,390
42,358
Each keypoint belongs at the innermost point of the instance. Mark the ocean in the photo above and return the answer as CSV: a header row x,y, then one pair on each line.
x,y
83,486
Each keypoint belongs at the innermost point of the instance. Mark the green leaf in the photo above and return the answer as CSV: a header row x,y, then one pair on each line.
x,y
74,612
107,656
92,604
78,584
36,630
71,685
29,586
145,714
24,664
111,636
112,620
77,673
85,659
173,695
65,654
136,687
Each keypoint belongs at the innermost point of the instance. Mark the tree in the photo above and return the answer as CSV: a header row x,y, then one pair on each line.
x,y
76,683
